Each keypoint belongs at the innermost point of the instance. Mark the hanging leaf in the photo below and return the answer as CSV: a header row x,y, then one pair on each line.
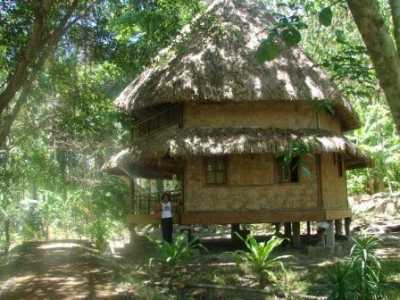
x,y
340,36
291,36
267,51
325,16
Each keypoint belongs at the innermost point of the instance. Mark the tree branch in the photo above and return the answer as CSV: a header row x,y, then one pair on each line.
x,y
381,49
28,55
40,44
8,120
395,9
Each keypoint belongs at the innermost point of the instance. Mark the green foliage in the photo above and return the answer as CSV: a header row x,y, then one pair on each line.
x,y
325,106
297,151
340,283
325,16
258,257
286,29
177,252
360,277
367,269
291,36
68,127
268,50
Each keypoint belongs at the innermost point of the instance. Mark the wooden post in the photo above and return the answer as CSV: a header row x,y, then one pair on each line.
x,y
288,230
131,207
347,222
330,235
339,227
296,234
277,228
308,228
235,228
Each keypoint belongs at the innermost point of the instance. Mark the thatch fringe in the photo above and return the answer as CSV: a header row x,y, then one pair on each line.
x,y
214,60
191,142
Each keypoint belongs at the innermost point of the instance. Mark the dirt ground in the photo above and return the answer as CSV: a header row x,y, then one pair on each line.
x,y
72,269
56,270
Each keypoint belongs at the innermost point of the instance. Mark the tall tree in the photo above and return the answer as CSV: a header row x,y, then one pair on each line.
x,y
30,32
381,46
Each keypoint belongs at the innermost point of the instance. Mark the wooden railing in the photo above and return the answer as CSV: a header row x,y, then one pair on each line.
x,y
159,121
147,203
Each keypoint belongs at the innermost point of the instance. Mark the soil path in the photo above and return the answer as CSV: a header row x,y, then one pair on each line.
x,y
56,270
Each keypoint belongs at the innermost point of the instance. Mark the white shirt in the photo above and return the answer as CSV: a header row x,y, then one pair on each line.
x,y
166,210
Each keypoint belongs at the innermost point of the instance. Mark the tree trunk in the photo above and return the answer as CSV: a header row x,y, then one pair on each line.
x,y
395,8
381,49
7,234
41,44
8,120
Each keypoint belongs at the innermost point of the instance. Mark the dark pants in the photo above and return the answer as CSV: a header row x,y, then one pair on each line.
x,y
167,228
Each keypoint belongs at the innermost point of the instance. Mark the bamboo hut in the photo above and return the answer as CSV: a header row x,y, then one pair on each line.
x,y
249,142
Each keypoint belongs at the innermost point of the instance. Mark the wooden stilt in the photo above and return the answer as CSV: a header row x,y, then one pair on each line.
x,y
277,228
330,235
339,227
296,234
235,229
288,230
308,228
347,222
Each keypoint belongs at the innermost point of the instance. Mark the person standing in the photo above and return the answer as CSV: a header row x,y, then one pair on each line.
x,y
166,217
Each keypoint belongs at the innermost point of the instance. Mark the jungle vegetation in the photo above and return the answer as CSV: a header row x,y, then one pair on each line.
x,y
63,62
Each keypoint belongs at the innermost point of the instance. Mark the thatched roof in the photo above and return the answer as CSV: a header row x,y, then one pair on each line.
x,y
128,163
192,142
214,59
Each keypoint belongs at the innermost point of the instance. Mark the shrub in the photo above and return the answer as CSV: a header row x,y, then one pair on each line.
x,y
178,251
340,282
258,257
360,277
368,276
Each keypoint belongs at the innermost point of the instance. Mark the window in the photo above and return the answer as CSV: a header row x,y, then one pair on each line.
x,y
216,170
288,171
338,161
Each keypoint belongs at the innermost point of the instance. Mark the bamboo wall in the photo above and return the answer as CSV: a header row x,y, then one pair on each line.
x,y
251,186
263,115
334,188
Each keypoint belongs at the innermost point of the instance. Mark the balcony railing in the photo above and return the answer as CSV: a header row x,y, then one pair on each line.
x,y
147,203
153,124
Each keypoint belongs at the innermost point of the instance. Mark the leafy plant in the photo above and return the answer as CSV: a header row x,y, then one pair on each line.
x,y
258,257
360,277
340,282
367,269
175,253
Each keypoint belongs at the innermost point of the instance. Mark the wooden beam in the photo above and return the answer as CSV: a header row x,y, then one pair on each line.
x,y
260,216
146,219
308,228
333,214
244,217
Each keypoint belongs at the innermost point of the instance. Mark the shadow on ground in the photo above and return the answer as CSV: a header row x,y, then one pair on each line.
x,y
63,269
